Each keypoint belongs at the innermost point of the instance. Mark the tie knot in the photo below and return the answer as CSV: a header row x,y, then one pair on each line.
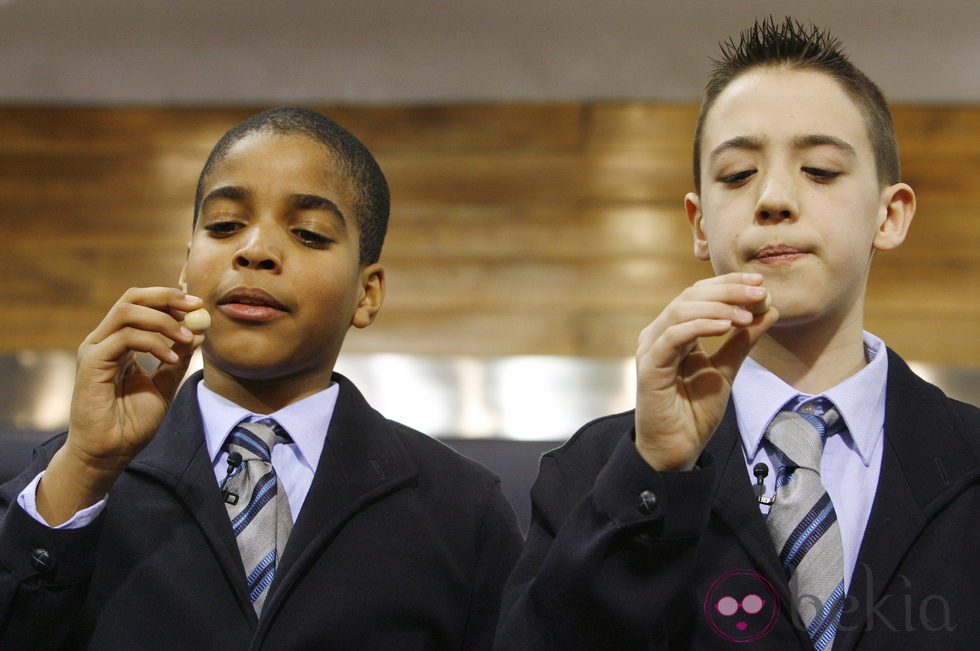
x,y
799,430
255,439
820,412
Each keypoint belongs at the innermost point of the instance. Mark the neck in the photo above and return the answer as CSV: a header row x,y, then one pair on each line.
x,y
811,358
265,396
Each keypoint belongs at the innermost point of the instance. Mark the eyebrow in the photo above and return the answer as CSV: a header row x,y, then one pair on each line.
x,y
297,201
232,192
801,142
316,202
819,140
738,142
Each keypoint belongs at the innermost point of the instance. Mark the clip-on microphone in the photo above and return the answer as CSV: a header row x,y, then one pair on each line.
x,y
761,471
234,460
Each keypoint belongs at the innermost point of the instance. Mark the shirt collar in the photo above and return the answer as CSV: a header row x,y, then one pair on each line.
x,y
306,420
758,396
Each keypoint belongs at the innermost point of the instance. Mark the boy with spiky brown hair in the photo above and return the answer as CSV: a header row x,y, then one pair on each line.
x,y
799,488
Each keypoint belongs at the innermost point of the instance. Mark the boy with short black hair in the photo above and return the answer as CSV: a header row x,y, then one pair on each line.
x,y
815,494
267,505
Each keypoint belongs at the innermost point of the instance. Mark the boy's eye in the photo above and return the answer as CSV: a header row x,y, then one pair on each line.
x,y
736,178
222,228
311,239
821,174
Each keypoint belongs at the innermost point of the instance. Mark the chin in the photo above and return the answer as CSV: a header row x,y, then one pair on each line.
x,y
257,365
795,318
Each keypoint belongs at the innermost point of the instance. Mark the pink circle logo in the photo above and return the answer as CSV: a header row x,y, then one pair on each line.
x,y
741,606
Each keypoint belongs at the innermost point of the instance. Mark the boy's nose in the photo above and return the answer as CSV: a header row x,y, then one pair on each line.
x,y
258,263
258,252
771,214
777,200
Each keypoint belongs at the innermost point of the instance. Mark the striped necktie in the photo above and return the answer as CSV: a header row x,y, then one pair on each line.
x,y
802,522
258,508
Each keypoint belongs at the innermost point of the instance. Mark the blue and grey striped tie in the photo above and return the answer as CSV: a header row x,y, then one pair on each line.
x,y
802,522
258,508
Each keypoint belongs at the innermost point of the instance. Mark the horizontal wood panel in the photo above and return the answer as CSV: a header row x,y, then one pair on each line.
x,y
650,127
933,132
31,130
516,229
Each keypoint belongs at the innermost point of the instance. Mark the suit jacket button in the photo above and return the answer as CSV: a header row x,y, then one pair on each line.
x,y
648,502
41,559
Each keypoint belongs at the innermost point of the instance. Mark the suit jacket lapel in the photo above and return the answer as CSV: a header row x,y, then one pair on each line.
x,y
177,457
925,463
896,520
362,460
734,503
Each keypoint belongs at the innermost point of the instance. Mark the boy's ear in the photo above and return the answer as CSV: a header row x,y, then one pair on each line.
x,y
894,216
182,278
372,279
692,206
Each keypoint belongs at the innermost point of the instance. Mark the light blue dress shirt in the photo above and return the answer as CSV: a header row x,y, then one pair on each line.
x,y
306,421
850,464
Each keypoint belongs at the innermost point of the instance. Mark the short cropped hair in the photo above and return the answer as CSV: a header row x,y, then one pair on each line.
x,y
798,47
372,199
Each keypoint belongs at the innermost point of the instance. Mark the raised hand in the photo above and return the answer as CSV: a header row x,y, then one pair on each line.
x,y
117,406
682,391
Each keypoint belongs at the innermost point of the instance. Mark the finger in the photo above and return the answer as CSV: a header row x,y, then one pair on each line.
x,y
140,317
179,307
729,357
719,299
729,293
721,303
667,350
164,300
111,352
735,277
693,310
680,335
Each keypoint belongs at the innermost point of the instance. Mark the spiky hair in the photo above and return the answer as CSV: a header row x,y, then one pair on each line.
x,y
795,46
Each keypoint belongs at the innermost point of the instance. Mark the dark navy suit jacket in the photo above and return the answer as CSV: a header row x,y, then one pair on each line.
x,y
604,569
401,544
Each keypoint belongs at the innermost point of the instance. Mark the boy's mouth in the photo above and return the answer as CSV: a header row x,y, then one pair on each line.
x,y
251,304
778,255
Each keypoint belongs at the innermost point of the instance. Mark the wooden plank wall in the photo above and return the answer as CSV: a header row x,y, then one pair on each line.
x,y
516,229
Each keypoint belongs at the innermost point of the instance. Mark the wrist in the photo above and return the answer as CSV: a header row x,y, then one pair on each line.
x,y
665,460
70,485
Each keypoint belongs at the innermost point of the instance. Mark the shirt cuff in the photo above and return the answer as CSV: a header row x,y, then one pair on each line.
x,y
28,501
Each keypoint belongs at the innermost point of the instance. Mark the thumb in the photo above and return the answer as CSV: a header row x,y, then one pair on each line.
x,y
168,377
729,357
